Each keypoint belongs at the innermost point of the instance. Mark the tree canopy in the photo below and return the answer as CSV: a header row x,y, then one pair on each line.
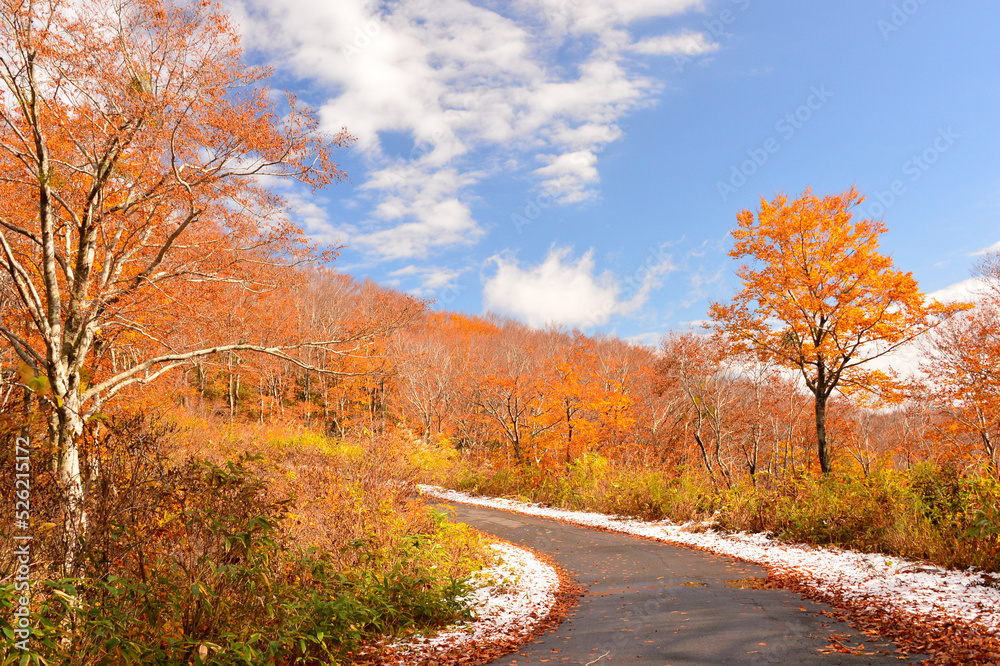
x,y
820,297
136,155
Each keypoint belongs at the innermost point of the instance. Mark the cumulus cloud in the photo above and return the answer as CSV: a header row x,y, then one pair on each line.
x,y
565,291
446,222
312,215
566,176
425,213
596,16
458,79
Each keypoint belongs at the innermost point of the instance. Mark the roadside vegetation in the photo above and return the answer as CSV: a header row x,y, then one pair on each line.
x,y
263,547
928,513
774,419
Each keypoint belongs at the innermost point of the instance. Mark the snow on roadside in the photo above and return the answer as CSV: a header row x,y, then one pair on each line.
x,y
878,581
509,599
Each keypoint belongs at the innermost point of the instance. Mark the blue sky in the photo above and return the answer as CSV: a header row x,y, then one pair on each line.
x,y
582,161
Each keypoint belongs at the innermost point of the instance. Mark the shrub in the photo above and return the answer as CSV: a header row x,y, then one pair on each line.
x,y
930,513
193,563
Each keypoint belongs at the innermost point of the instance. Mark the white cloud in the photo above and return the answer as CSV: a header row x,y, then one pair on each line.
x,y
439,223
462,80
970,290
986,250
432,279
685,43
311,214
567,291
566,176
426,213
596,16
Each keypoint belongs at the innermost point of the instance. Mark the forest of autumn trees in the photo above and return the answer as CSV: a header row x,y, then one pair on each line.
x,y
138,242
546,400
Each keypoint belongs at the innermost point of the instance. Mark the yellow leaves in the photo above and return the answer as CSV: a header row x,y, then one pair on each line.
x,y
36,382
166,519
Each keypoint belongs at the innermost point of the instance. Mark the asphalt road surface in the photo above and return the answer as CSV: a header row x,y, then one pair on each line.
x,y
653,603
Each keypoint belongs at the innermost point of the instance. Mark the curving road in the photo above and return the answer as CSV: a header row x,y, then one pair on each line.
x,y
653,603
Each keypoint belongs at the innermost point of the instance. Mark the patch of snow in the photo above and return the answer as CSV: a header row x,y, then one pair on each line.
x,y
880,581
508,599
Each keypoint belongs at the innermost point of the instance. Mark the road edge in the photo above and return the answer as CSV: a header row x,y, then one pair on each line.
x,y
947,643
566,597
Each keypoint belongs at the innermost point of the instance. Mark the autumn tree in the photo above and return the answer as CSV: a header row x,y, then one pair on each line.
x,y
785,422
911,425
511,392
570,382
818,296
661,413
613,393
866,435
696,366
760,392
135,152
963,370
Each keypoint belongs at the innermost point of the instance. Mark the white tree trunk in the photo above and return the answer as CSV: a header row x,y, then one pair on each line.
x,y
69,431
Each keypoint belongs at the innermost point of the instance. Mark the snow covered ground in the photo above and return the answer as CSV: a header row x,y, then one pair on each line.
x,y
511,599
901,587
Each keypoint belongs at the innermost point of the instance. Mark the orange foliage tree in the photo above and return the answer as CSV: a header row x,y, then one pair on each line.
x,y
134,146
963,371
691,365
511,393
821,298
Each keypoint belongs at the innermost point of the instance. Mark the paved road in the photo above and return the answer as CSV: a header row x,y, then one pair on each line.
x,y
652,603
